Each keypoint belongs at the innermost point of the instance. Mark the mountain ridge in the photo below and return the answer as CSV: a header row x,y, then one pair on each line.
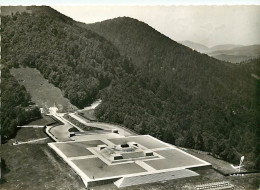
x,y
197,46
224,47
39,10
227,52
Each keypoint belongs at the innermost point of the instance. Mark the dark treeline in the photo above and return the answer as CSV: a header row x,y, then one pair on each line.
x,y
16,106
3,170
161,88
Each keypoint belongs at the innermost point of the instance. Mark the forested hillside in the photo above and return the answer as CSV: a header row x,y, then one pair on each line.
x,y
16,106
147,81
74,59
180,95
251,67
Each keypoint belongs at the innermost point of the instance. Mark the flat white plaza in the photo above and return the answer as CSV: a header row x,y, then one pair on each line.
x,y
126,161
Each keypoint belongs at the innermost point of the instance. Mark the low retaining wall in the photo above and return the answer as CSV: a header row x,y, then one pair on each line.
x,y
102,182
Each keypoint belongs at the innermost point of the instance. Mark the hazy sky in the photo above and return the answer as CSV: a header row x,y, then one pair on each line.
x,y
129,2
208,25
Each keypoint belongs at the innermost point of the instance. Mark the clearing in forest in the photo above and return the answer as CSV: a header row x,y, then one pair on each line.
x,y
43,93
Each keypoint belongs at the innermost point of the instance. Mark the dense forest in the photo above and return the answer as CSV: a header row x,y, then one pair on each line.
x,y
147,81
182,96
67,55
16,107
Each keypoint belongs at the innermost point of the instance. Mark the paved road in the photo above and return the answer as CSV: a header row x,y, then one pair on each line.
x,y
31,141
61,132
93,105
31,126
105,126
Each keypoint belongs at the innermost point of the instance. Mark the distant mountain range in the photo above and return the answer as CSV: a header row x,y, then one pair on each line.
x,y
227,52
196,46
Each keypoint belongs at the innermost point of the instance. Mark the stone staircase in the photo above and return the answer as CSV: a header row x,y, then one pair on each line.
x,y
154,177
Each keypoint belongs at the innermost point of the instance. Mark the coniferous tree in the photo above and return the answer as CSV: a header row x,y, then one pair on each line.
x,y
189,140
199,145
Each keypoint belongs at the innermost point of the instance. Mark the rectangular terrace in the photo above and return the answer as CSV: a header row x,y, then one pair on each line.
x,y
136,156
